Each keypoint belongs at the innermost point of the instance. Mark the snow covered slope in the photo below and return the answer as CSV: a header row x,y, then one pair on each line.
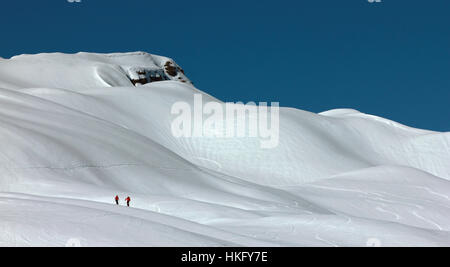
x,y
75,131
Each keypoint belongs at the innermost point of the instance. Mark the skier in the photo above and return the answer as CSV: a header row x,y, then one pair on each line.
x,y
117,200
128,199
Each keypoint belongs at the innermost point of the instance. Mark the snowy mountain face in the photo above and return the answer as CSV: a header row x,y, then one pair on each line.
x,y
77,130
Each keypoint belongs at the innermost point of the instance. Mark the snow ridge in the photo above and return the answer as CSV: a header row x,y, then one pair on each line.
x,y
77,129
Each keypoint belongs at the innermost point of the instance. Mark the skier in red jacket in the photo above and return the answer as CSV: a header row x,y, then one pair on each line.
x,y
128,199
117,200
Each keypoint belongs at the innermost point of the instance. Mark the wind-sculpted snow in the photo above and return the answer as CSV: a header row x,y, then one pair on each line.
x,y
75,132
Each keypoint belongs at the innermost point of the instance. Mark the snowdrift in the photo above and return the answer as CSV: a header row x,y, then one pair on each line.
x,y
75,131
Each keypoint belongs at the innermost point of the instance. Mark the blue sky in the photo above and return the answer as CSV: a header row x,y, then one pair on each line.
x,y
390,59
